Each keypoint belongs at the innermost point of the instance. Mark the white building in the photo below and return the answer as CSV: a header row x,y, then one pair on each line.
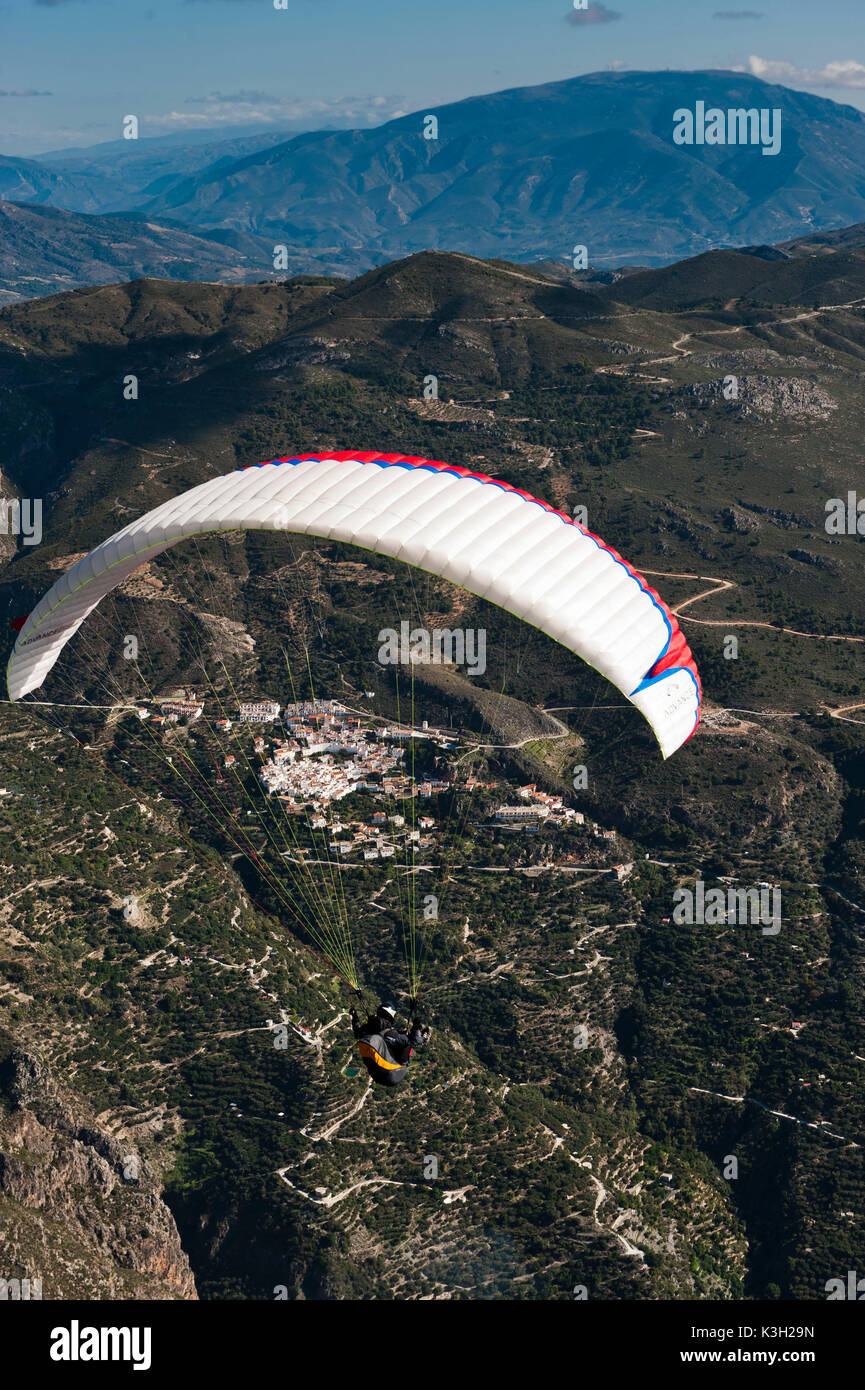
x,y
259,712
305,709
515,815
182,709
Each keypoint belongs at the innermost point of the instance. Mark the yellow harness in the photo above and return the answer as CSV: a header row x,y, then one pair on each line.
x,y
370,1053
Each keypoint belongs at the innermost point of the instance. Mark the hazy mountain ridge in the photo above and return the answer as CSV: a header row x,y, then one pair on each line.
x,y
44,250
30,181
117,175
524,174
114,176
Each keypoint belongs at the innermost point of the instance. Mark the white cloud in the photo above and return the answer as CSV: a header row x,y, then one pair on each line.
x,y
841,74
594,14
241,98
260,108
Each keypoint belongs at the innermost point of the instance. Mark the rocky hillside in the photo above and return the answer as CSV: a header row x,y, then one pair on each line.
x,y
80,1209
600,1165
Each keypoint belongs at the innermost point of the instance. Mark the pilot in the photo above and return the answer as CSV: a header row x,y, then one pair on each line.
x,y
386,1051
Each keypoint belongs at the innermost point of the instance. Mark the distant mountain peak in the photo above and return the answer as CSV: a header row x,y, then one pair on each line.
x,y
527,174
523,175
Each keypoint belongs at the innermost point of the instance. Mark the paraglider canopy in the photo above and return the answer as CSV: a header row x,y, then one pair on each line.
x,y
483,535
486,536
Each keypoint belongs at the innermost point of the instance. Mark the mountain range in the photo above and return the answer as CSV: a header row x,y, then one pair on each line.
x,y
525,174
531,172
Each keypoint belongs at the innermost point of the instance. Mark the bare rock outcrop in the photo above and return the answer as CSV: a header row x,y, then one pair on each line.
x,y
78,1210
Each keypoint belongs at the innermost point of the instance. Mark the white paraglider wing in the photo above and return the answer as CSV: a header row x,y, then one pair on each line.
x,y
483,535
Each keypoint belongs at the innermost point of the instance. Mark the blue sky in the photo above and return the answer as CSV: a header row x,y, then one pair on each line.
x,y
71,69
